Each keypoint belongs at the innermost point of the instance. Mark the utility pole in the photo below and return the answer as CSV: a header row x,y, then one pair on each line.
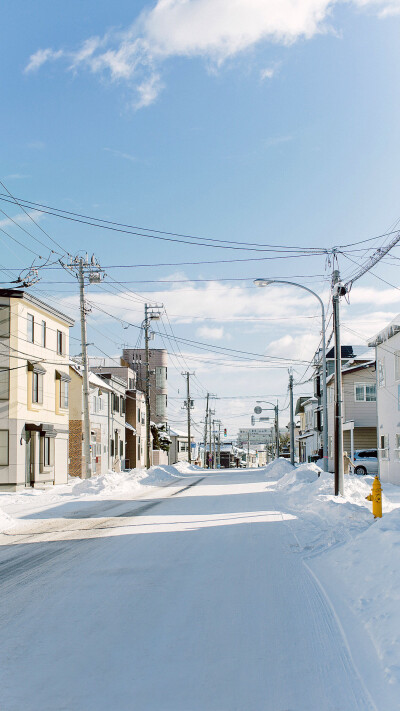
x,y
291,418
339,467
205,432
210,412
219,446
214,446
188,405
248,448
92,272
277,429
151,313
85,377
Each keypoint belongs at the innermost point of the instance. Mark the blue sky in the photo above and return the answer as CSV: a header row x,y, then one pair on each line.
x,y
275,122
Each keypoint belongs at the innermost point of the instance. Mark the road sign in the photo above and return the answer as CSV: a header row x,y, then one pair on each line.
x,y
258,410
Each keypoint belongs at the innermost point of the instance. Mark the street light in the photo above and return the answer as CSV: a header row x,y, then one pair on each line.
x,y
268,282
258,410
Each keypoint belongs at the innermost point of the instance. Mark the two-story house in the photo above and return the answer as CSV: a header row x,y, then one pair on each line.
x,y
100,394
387,350
359,407
34,391
307,439
135,429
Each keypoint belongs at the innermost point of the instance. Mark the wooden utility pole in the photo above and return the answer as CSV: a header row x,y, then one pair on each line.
x,y
188,406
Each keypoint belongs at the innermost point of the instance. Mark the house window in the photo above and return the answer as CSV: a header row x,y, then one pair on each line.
x,y
37,388
111,447
46,451
4,384
131,383
397,365
4,321
122,405
31,328
43,334
64,391
384,448
161,405
161,377
364,392
121,448
138,415
60,343
115,403
397,448
3,448
381,374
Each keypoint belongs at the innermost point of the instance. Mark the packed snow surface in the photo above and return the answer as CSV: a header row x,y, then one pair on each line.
x,y
183,589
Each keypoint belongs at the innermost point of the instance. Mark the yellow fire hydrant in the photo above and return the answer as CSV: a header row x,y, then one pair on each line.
x,y
376,497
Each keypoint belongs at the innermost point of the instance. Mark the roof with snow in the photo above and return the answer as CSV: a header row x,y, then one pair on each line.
x,y
388,332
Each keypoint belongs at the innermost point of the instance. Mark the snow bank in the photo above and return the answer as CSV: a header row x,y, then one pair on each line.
x,y
368,568
305,473
125,482
278,468
6,521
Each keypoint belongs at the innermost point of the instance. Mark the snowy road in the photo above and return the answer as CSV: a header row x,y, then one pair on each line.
x,y
193,597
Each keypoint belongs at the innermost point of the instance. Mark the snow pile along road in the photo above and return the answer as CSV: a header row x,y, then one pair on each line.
x,y
124,485
277,468
368,571
6,521
356,557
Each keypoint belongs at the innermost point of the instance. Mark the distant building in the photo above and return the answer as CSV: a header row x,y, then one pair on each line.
x,y
135,358
34,391
178,451
307,438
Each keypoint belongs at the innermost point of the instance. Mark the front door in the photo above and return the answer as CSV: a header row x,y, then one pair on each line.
x,y
28,458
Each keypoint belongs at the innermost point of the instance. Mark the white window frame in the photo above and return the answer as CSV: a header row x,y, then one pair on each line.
x,y
364,386
397,447
384,450
30,328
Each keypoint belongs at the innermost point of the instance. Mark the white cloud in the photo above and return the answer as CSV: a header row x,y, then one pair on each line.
x,y
267,73
22,218
148,91
42,56
212,29
277,141
121,154
215,334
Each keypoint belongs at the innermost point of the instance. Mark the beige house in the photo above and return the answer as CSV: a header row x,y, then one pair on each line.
x,y
34,391
158,362
359,408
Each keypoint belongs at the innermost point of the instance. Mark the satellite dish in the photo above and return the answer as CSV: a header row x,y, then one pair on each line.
x,y
258,410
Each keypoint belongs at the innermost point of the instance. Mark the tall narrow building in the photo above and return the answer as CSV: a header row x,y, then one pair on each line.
x,y
135,358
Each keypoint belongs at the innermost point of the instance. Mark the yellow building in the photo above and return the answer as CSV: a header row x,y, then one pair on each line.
x,y
34,391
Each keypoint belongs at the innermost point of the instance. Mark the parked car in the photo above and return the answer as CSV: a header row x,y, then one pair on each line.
x,y
366,461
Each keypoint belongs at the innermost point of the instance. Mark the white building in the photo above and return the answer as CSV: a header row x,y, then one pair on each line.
x,y
34,391
178,451
387,349
307,438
